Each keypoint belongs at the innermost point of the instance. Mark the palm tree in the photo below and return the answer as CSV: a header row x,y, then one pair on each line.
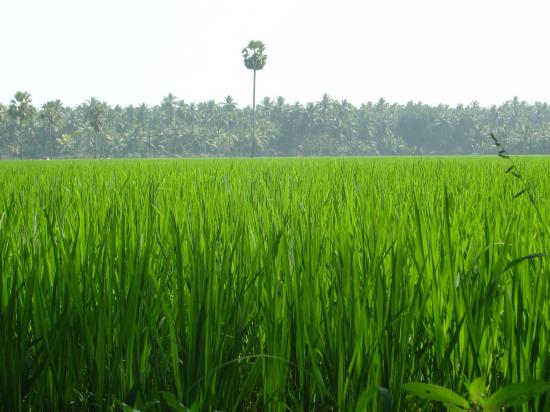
x,y
20,110
324,122
52,112
3,114
96,118
228,113
144,125
254,59
170,133
3,119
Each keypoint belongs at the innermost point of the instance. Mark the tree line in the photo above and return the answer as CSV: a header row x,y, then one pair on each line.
x,y
328,127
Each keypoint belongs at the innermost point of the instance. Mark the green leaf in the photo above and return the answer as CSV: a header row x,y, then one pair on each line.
x,y
515,394
437,393
364,399
173,403
477,390
521,259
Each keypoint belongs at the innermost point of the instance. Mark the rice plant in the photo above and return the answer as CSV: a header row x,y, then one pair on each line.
x,y
270,284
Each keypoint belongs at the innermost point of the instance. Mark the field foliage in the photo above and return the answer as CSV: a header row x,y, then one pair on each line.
x,y
274,284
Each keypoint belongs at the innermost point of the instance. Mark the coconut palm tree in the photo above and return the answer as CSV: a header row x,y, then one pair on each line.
x,y
52,113
143,119
21,109
170,133
3,113
3,119
254,59
96,118
228,117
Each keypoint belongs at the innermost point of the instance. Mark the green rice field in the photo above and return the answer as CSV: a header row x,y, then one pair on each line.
x,y
271,284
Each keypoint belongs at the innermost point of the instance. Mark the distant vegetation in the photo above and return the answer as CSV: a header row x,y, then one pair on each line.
x,y
327,127
273,285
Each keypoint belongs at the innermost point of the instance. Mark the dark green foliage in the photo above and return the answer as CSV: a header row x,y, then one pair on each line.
x,y
253,55
176,128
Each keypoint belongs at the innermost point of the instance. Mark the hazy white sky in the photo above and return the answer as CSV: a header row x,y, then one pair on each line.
x,y
133,51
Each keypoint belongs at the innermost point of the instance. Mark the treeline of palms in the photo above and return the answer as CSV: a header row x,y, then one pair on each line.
x,y
327,127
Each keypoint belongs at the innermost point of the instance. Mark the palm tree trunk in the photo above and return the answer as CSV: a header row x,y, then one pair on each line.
x,y
253,145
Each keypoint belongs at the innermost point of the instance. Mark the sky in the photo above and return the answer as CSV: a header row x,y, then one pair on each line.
x,y
135,51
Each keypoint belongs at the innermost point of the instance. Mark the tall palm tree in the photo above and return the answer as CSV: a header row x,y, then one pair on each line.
x,y
21,109
52,113
96,117
254,59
